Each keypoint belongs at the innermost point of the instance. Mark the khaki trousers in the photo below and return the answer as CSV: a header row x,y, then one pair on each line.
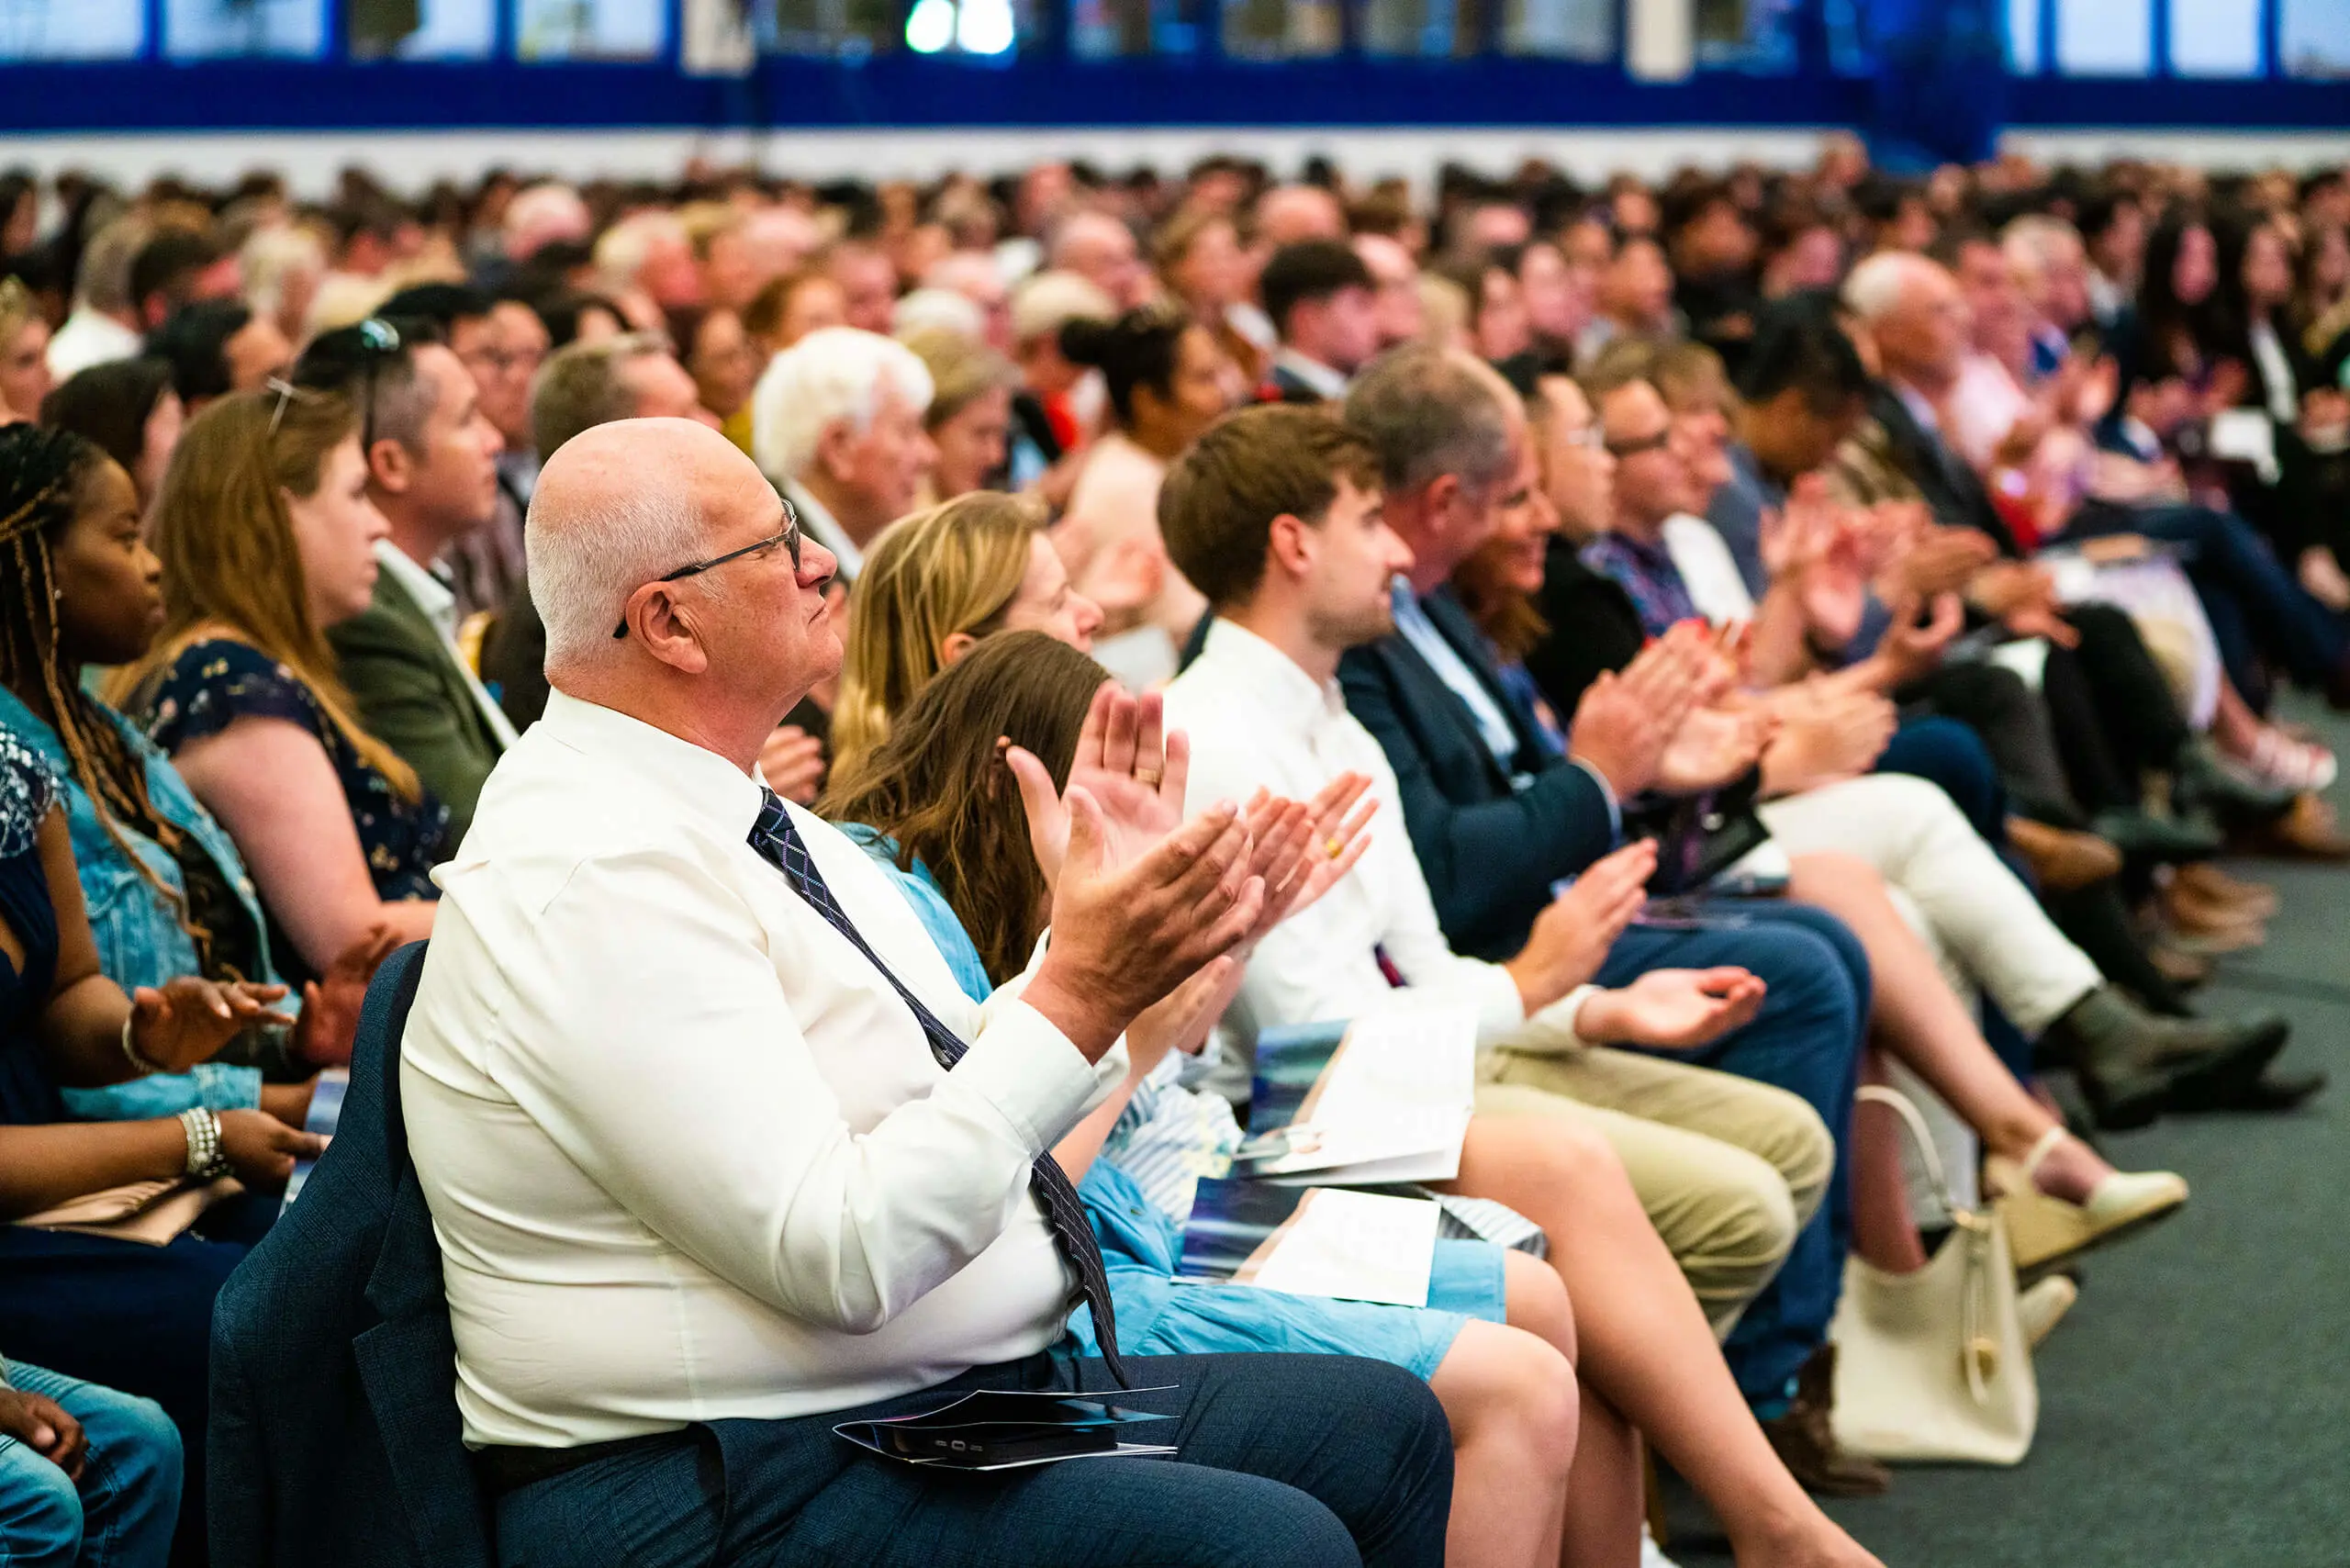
x,y
1729,1169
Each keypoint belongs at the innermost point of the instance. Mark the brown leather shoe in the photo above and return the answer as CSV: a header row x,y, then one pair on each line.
x,y
1804,1439
2063,862
2306,831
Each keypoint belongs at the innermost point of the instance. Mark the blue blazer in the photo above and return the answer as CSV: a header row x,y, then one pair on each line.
x,y
335,1440
1491,839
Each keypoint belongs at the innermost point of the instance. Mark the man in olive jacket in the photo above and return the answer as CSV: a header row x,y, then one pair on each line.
x,y
431,471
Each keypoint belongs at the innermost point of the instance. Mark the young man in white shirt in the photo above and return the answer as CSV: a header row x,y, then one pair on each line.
x,y
1280,506
1282,511
676,1088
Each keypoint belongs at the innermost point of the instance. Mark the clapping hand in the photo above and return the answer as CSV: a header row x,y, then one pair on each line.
x,y
1939,560
1626,719
1571,938
1135,771
1671,1009
1713,747
1912,649
188,1019
329,1020
1142,901
2022,597
1332,830
1825,735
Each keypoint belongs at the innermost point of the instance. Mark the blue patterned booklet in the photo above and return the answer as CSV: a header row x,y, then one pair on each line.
x,y
1326,1241
1382,1098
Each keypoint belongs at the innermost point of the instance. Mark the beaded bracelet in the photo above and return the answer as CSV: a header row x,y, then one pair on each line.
x,y
206,1159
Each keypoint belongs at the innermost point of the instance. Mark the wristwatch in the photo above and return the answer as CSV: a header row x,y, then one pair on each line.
x,y
206,1159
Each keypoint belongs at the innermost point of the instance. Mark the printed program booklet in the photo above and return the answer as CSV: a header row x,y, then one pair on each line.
x,y
1385,1098
1325,1241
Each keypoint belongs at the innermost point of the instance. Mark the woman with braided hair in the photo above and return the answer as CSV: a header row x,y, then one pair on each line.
x,y
130,1312
267,537
165,891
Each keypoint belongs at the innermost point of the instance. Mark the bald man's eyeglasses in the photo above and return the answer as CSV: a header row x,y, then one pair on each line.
x,y
788,538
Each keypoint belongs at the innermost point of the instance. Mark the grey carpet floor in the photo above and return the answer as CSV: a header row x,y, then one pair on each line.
x,y
2194,1408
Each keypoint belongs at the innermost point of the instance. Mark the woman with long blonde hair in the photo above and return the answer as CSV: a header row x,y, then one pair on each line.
x,y
935,582
267,538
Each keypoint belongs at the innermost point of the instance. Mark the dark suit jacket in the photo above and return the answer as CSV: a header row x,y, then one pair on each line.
x,y
413,697
1593,627
514,659
1952,491
1492,840
335,1440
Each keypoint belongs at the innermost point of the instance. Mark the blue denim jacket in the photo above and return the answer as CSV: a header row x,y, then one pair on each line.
x,y
139,935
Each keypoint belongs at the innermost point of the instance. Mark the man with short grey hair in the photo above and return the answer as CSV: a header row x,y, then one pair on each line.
x,y
720,1156
1499,815
836,425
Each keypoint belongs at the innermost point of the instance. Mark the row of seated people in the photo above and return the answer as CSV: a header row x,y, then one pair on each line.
x,y
89,514
292,739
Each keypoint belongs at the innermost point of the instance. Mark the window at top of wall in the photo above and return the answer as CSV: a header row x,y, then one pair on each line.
x,y
2105,37
590,29
2314,38
1756,36
419,30
1559,29
212,30
72,29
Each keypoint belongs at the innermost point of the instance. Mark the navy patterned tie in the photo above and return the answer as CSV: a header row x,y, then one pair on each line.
x,y
779,844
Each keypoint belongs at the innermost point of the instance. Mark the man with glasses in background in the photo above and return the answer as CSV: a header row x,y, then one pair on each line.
x,y
431,468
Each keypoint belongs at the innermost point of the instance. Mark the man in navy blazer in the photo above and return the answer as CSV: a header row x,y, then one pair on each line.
x,y
1499,815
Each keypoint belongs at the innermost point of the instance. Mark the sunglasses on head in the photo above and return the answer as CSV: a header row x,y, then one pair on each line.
x,y
354,353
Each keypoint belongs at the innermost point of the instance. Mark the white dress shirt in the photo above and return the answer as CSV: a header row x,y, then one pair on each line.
x,y
440,606
687,1153
87,337
1708,569
1255,719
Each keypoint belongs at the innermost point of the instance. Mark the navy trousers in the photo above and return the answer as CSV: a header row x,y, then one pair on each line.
x,y
2255,606
1287,1461
1807,1040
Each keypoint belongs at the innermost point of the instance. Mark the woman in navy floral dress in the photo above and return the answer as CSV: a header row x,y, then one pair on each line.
x,y
267,537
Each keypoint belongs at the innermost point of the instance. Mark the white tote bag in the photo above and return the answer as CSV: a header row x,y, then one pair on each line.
x,y
1932,1365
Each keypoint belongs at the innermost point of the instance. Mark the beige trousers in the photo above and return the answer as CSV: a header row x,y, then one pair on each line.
x,y
1729,1169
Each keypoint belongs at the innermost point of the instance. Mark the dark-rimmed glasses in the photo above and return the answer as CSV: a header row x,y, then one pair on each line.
x,y
788,537
1656,443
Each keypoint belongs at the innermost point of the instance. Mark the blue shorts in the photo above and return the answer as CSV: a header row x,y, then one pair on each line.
x,y
1159,1315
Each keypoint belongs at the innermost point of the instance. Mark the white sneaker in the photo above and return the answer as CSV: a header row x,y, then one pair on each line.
x,y
1651,1554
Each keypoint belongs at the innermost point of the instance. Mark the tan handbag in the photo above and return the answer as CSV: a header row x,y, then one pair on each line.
x,y
1932,1365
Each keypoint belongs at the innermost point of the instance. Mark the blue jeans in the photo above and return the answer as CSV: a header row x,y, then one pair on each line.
x,y
2255,606
1316,1461
131,1316
122,1513
1807,1040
